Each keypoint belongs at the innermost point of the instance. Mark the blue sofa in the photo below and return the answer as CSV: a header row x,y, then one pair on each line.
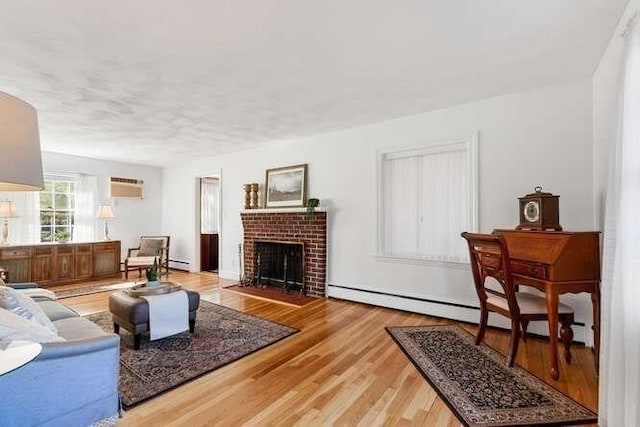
x,y
70,383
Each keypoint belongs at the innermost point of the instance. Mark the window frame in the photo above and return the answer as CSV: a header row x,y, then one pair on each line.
x,y
72,211
470,143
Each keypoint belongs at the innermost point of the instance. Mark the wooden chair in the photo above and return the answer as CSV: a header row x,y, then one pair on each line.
x,y
149,249
489,257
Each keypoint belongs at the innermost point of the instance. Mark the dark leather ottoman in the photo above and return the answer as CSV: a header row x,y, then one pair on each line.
x,y
132,313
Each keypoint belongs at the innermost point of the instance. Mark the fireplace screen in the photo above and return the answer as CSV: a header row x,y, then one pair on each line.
x,y
279,264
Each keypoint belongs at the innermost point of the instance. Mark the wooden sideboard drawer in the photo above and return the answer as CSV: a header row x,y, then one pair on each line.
x,y
533,270
107,246
64,249
84,248
46,250
15,253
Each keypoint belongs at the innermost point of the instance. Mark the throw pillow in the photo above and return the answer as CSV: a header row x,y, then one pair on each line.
x,y
23,306
14,327
150,247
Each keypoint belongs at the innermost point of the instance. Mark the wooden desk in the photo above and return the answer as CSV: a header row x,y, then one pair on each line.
x,y
557,262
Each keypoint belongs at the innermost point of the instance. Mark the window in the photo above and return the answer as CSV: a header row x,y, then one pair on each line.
x,y
428,197
57,210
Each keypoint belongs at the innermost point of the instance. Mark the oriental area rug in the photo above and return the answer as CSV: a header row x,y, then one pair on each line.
x,y
476,384
91,289
222,335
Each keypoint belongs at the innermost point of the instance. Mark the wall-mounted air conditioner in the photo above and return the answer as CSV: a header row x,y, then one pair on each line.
x,y
126,187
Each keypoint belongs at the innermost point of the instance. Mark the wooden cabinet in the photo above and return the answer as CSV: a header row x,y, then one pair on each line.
x,y
106,258
51,264
64,263
83,261
42,264
17,261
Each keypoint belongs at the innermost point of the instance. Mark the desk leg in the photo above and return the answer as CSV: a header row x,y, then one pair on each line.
x,y
595,301
552,310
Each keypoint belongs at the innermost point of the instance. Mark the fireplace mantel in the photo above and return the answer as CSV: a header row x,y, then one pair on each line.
x,y
281,210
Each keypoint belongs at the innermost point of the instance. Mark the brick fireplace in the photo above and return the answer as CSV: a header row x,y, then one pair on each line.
x,y
289,226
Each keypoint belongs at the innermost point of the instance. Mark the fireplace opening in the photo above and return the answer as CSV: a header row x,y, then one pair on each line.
x,y
279,264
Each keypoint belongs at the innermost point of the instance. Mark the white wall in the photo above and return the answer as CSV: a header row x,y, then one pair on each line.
x,y
133,217
540,137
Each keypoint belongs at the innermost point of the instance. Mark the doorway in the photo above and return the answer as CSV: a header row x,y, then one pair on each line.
x,y
210,223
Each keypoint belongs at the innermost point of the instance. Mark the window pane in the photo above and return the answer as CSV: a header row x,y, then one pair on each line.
x,y
62,218
61,187
45,235
46,218
63,234
62,201
46,200
48,186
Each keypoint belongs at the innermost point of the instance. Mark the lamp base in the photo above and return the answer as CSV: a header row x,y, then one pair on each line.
x,y
106,231
5,232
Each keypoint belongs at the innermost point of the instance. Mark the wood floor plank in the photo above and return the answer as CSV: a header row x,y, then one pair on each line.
x,y
342,368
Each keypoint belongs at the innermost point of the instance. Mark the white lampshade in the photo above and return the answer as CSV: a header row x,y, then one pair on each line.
x,y
8,209
105,211
20,156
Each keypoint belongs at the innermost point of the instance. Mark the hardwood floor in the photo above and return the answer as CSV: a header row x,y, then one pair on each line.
x,y
342,368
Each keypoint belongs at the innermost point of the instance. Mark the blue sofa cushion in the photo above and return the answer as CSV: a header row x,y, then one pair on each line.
x,y
56,311
77,328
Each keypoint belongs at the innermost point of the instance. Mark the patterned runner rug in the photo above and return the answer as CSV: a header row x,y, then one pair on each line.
x,y
476,384
222,335
92,289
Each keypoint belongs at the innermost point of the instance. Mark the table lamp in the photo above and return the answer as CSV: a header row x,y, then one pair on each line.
x,y
7,210
20,156
105,212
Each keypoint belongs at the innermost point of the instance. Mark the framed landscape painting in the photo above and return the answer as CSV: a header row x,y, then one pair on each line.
x,y
286,187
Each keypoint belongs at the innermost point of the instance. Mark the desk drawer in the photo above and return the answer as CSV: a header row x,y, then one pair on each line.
x,y
531,270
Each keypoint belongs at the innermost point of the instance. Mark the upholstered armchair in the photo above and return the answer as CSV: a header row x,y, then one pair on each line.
x,y
143,257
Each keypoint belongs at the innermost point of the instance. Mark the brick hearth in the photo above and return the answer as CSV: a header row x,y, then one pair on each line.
x,y
283,226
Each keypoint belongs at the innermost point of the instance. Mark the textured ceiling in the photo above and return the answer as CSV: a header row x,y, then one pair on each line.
x,y
154,81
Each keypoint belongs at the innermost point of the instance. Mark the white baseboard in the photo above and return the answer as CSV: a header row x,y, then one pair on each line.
x,y
444,309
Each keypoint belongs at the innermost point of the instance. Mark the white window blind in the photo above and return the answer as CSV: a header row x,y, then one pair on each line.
x,y
428,198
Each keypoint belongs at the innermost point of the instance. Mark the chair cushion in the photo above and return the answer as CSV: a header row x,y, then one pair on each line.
x,y
150,247
528,303
140,261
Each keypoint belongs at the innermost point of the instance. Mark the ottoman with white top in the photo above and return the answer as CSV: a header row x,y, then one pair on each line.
x,y
132,313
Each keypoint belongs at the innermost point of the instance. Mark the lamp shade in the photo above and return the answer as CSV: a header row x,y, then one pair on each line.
x,y
8,209
105,211
20,156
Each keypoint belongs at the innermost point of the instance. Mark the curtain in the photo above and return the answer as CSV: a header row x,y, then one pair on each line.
x,y
209,205
85,214
445,196
620,325
400,192
26,228
426,204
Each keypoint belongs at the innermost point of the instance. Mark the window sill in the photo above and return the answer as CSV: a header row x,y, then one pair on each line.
x,y
422,261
